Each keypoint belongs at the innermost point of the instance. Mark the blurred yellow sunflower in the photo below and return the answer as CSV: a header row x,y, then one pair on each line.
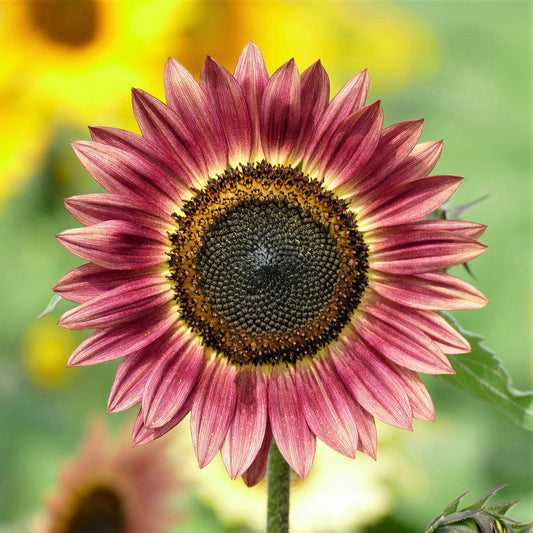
x,y
45,349
66,51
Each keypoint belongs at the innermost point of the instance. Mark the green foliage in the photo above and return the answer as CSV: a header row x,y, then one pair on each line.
x,y
482,374
478,518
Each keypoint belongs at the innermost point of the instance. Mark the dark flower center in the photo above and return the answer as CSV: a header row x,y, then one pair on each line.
x,y
99,510
268,266
73,23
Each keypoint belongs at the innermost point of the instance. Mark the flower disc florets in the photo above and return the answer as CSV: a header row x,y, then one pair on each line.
x,y
267,264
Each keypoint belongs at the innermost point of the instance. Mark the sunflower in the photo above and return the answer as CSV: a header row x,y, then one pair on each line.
x,y
66,49
111,487
259,262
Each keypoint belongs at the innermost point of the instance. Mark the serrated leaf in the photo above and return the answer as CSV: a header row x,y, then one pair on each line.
x,y
501,508
484,499
452,507
482,374
50,308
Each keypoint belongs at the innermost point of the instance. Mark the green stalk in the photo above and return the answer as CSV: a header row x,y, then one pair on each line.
x,y
279,477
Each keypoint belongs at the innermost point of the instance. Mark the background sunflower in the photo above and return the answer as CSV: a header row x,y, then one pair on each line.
x,y
463,66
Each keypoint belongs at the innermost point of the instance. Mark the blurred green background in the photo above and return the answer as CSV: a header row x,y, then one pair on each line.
x,y
464,66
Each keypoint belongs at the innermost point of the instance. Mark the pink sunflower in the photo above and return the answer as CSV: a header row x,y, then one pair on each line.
x,y
260,262
110,487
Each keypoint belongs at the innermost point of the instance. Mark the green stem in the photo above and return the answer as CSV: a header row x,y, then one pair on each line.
x,y
279,477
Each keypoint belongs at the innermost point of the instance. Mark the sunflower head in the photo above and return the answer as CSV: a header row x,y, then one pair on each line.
x,y
262,262
111,488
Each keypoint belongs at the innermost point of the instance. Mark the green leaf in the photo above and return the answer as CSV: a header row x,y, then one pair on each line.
x,y
481,374
483,500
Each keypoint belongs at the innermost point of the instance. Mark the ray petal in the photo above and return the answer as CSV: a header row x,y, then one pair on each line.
x,y
326,405
247,430
420,251
373,383
394,145
347,101
252,76
213,409
126,303
314,100
149,150
94,208
406,347
430,290
88,281
130,379
111,343
228,99
257,470
350,147
281,113
125,173
405,203
173,376
117,245
295,440
185,96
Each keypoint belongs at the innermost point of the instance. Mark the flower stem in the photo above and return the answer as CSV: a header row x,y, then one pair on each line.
x,y
279,476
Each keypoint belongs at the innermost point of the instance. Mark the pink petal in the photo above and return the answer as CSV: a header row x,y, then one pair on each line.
x,y
431,290
347,101
314,100
108,344
94,208
247,430
405,203
281,113
401,252
228,99
419,163
213,409
127,173
143,435
295,440
440,332
130,379
373,383
350,147
191,104
366,429
409,348
395,143
165,128
126,303
117,245
257,470
327,405
429,323
419,397
132,142
473,230
252,76
89,280
172,378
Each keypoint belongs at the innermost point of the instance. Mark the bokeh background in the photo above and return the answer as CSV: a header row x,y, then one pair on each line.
x,y
463,65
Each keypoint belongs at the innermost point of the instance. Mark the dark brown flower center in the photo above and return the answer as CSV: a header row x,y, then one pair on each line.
x,y
268,266
73,23
99,510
